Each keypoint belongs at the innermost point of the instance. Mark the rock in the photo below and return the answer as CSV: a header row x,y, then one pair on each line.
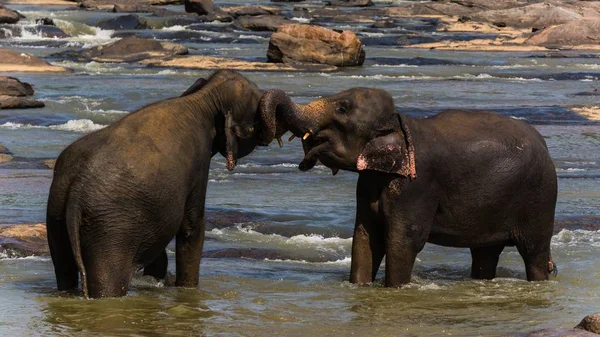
x,y
577,32
9,16
45,21
350,3
593,92
211,62
11,86
12,102
125,22
137,8
4,150
312,44
12,61
15,94
287,0
590,323
536,15
561,333
50,163
4,158
384,24
254,10
261,22
208,8
108,5
24,240
48,31
131,49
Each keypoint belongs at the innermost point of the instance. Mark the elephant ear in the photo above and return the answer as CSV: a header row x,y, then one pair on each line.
x,y
231,144
393,153
199,84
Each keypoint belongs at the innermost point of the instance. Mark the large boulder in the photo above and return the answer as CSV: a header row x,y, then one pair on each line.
x,y
312,44
131,49
590,323
12,61
577,32
125,22
9,16
261,22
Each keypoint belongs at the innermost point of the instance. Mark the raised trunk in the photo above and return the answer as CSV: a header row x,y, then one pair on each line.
x,y
279,115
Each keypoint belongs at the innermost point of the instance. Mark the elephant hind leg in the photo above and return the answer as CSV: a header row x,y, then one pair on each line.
x,y
536,263
65,268
485,261
158,267
108,275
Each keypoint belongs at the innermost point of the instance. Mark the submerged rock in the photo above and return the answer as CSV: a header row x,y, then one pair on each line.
x,y
15,94
24,240
131,49
561,333
593,92
261,22
577,32
253,10
212,62
350,3
312,44
9,16
108,5
127,22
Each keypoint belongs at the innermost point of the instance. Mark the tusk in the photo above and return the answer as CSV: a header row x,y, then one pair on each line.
x,y
291,138
334,170
280,142
306,136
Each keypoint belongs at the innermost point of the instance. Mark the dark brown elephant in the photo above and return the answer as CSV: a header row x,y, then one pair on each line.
x,y
120,194
460,179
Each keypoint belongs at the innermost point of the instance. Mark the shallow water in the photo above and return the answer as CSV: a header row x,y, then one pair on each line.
x,y
280,244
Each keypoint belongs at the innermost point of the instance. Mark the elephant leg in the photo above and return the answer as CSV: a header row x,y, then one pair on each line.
x,y
485,261
536,262
189,252
400,253
65,268
190,239
108,274
158,267
368,241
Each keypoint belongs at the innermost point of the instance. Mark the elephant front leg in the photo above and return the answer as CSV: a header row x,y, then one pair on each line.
x,y
189,243
368,240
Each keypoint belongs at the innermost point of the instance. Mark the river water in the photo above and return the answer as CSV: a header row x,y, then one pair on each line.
x,y
278,242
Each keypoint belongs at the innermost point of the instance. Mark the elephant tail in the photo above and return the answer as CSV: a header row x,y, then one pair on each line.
x,y
73,221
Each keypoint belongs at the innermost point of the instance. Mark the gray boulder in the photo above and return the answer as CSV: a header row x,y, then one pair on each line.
x,y
15,94
131,49
125,22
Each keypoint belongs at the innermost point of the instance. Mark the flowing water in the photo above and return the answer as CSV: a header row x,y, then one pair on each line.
x,y
278,247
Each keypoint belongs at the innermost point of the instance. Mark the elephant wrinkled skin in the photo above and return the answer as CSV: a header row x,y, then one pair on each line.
x,y
120,194
470,179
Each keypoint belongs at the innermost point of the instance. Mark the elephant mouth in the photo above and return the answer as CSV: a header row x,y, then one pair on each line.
x,y
314,144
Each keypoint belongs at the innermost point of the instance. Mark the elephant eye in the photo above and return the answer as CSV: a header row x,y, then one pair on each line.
x,y
341,109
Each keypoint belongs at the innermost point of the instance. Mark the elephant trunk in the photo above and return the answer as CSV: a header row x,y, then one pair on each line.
x,y
278,115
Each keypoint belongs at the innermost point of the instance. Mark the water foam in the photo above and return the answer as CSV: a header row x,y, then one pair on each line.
x,y
576,237
77,125
316,242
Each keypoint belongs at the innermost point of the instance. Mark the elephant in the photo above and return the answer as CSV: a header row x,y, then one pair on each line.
x,y
470,179
120,194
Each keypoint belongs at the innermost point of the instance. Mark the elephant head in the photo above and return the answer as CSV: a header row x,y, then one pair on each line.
x,y
355,130
235,101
